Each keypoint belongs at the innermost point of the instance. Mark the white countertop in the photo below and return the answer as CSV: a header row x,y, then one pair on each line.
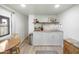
x,y
50,31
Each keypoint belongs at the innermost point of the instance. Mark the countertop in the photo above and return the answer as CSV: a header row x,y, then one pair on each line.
x,y
50,31
72,41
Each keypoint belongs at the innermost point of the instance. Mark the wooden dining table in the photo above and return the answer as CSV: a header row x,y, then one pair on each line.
x,y
8,44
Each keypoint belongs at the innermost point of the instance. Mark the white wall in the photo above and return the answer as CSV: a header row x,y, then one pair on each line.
x,y
19,23
41,18
8,14
70,21
30,24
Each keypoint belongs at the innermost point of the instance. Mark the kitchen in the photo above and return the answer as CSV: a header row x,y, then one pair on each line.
x,y
48,29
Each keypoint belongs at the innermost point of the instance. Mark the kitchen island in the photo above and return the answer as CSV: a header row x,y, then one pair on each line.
x,y
48,38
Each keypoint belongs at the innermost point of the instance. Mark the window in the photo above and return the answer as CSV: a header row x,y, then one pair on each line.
x,y
4,26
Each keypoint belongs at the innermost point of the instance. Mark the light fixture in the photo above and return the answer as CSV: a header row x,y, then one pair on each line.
x,y
57,6
23,5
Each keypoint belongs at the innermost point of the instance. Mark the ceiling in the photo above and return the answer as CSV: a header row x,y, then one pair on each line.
x,y
39,8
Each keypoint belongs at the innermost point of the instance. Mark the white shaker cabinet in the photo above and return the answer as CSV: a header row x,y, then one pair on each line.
x,y
47,38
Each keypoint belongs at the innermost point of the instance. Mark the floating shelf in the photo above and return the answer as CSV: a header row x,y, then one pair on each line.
x,y
47,23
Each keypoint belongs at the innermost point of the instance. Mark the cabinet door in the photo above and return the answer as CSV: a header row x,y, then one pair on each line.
x,y
57,38
37,38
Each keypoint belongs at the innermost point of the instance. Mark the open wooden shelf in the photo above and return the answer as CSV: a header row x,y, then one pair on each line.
x,y
47,23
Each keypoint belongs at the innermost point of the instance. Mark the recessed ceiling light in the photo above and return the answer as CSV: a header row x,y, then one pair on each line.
x,y
23,5
57,6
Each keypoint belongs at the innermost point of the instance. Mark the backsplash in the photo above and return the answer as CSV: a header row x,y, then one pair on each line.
x,y
48,27
40,18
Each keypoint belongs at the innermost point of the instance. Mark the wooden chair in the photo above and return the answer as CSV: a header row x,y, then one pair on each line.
x,y
16,49
10,46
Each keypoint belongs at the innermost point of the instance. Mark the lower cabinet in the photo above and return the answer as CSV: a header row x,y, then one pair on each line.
x,y
70,48
48,38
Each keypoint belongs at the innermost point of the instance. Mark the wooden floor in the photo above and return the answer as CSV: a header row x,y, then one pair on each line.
x,y
29,49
